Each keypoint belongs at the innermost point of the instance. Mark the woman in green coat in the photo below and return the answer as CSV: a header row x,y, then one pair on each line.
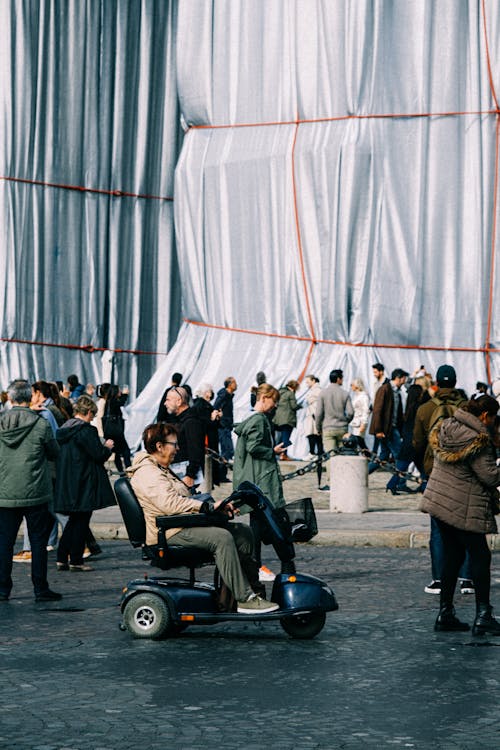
x,y
255,457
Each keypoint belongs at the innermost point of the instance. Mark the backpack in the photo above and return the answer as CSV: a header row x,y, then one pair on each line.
x,y
442,411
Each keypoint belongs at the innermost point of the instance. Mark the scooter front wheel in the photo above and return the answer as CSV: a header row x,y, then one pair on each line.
x,y
146,616
304,626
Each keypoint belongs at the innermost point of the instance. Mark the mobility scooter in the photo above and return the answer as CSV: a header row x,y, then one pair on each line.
x,y
155,607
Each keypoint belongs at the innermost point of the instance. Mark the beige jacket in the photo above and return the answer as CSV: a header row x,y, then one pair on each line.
x,y
160,493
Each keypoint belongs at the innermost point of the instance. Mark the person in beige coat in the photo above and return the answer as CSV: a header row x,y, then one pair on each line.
x,y
462,496
161,493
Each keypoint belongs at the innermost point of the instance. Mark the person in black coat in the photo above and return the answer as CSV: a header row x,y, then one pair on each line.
x,y
113,425
82,483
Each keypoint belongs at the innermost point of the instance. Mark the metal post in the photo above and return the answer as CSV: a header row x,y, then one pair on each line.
x,y
207,484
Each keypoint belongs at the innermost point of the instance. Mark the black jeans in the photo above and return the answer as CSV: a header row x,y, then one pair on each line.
x,y
315,445
72,541
456,543
39,522
121,450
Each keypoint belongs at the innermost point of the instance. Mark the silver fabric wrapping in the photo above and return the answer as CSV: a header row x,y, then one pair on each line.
x,y
336,186
87,99
334,199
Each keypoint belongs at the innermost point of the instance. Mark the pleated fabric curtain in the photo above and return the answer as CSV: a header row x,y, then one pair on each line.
x,y
90,136
336,195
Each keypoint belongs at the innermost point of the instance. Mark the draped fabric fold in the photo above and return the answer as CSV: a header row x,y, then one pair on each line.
x,y
88,111
335,196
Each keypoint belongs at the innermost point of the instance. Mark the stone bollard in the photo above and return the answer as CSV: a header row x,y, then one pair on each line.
x,y
207,484
349,484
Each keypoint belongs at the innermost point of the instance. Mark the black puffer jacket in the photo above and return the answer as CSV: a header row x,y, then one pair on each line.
x,y
462,489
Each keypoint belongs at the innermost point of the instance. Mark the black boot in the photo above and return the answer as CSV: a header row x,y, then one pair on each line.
x,y
447,620
485,622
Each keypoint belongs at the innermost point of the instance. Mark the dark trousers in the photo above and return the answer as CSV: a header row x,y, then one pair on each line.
x,y
39,522
455,545
315,445
72,541
121,450
226,443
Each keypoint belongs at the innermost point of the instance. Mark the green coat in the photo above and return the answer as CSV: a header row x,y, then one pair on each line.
x,y
26,447
255,460
286,411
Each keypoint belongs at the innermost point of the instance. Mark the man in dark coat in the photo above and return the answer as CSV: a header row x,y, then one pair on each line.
x,y
387,417
82,483
26,447
163,415
190,458
224,402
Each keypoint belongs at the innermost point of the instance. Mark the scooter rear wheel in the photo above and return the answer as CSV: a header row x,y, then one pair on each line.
x,y
304,626
146,616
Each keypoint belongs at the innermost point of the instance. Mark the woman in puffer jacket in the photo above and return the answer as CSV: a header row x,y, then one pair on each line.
x,y
462,496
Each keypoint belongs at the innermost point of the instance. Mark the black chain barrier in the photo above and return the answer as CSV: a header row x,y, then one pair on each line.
x,y
316,463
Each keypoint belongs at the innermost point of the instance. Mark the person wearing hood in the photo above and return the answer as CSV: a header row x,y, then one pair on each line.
x,y
462,496
27,445
160,492
82,483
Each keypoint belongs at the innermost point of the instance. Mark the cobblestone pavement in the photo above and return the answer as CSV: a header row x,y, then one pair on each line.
x,y
376,676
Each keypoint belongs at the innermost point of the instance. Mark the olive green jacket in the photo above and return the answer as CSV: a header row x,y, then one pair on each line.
x,y
255,459
26,447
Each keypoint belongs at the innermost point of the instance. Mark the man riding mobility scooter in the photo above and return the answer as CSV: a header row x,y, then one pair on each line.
x,y
157,606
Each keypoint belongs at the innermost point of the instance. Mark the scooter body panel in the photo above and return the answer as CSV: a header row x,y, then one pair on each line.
x,y
304,592
295,594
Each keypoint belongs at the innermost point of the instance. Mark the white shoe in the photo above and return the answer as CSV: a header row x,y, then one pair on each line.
x,y
265,574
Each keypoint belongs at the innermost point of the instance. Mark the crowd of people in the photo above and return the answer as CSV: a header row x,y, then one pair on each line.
x,y
425,425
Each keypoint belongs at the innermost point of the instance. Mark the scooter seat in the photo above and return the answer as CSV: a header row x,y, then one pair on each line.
x,y
175,556
164,555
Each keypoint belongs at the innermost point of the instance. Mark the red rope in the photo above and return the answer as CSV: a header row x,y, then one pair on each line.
x,y
488,60
492,260
488,350
339,118
299,240
81,347
333,342
82,189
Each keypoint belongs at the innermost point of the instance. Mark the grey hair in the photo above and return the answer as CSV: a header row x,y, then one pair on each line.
x,y
202,389
19,392
358,384
182,393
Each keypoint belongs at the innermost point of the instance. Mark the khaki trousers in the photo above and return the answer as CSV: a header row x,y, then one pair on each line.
x,y
231,547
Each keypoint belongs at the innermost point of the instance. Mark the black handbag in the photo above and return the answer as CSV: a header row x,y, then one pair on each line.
x,y
112,426
303,519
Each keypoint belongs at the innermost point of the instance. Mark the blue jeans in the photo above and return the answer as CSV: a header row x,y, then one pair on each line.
x,y
437,555
390,444
39,522
226,443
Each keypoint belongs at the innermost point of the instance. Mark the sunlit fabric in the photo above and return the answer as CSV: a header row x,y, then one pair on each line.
x,y
335,195
87,101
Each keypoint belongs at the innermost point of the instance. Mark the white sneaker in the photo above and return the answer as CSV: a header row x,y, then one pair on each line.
x,y
256,605
265,574
434,587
